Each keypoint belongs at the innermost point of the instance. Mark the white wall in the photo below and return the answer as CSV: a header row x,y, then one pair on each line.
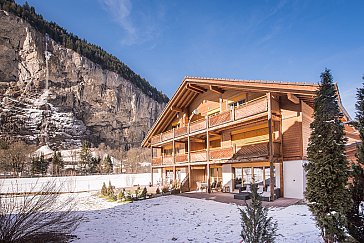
x,y
76,183
227,175
294,179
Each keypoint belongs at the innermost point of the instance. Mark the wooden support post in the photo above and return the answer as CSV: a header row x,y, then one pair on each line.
x,y
270,133
121,168
174,157
208,157
189,156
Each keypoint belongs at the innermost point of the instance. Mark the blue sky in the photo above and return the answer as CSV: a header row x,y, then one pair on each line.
x,y
165,40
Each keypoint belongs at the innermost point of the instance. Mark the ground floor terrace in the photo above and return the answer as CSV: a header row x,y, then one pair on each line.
x,y
287,177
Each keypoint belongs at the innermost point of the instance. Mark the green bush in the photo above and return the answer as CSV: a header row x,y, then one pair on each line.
x,y
158,191
104,190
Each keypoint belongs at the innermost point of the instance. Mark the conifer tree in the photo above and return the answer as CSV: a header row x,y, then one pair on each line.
x,y
256,225
327,167
356,189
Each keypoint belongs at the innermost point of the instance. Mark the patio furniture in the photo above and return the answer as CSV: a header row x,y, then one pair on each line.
x,y
226,188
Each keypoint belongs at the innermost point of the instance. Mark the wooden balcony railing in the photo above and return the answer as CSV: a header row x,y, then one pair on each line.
x,y
256,150
248,109
222,153
157,139
180,131
157,161
181,158
168,160
197,156
219,119
251,108
198,125
167,135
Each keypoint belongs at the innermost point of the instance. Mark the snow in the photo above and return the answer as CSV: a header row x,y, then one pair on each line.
x,y
181,219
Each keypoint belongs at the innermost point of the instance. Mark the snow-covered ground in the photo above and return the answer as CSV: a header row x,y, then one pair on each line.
x,y
181,219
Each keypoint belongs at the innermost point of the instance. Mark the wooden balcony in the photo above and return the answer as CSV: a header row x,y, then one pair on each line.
x,y
156,139
168,160
156,161
197,156
251,108
181,158
219,119
197,125
167,135
180,131
222,153
259,150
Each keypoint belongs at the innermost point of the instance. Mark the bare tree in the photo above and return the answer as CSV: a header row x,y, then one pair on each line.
x,y
38,216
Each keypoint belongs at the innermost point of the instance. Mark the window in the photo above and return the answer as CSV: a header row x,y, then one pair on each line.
x,y
237,103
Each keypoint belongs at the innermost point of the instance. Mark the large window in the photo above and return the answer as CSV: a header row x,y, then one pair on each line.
x,y
247,175
258,175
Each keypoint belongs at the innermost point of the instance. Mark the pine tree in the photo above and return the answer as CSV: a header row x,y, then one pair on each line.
x,y
86,158
107,166
356,189
57,162
104,190
327,167
256,225
144,193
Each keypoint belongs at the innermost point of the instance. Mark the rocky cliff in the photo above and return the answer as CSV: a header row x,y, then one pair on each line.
x,y
83,102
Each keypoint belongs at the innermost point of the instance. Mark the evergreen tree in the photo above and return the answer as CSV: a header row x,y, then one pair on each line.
x,y
256,225
107,166
95,164
86,158
39,165
144,193
104,190
356,189
327,167
57,162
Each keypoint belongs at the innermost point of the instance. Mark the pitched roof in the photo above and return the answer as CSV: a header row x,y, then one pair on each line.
x,y
191,87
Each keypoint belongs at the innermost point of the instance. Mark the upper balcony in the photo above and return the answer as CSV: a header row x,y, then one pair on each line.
x,y
249,152
231,117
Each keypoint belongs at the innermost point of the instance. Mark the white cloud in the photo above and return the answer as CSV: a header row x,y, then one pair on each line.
x,y
145,26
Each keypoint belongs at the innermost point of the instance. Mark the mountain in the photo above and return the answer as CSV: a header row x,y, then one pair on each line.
x,y
99,100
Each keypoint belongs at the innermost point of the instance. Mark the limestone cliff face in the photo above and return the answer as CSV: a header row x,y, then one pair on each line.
x,y
84,102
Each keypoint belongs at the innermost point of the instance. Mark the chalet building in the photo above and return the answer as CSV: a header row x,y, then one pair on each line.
x,y
236,132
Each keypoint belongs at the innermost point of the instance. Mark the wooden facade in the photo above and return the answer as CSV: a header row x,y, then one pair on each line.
x,y
212,125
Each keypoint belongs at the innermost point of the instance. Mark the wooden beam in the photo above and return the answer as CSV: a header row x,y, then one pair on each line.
x,y
216,89
173,108
293,98
270,133
197,140
193,89
196,88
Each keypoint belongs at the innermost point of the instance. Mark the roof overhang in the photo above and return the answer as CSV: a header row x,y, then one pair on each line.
x,y
191,87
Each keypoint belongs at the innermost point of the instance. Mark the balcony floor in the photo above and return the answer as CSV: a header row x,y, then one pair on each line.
x,y
229,198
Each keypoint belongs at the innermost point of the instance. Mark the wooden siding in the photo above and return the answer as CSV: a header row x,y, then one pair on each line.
x,y
291,129
197,175
307,113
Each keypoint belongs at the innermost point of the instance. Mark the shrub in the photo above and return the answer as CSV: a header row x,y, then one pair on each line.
x,y
110,190
158,191
165,189
40,216
121,195
256,225
144,193
104,190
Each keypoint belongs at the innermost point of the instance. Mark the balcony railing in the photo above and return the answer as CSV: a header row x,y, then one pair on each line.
x,y
197,156
248,109
181,158
198,125
157,161
222,153
242,153
168,160
180,131
167,135
219,119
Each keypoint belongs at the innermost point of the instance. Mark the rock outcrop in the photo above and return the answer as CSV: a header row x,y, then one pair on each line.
x,y
83,102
